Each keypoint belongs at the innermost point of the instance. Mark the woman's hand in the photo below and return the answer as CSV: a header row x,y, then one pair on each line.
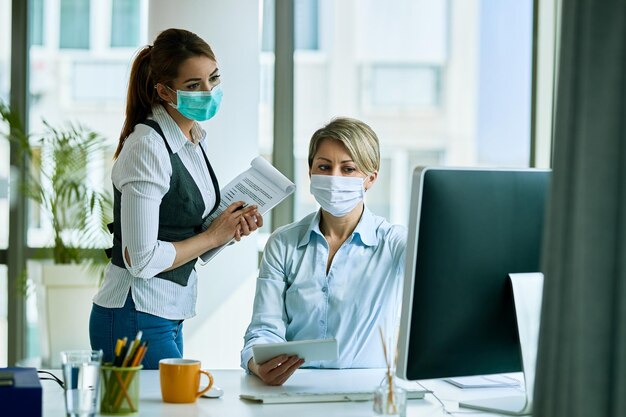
x,y
277,370
250,220
226,226
234,222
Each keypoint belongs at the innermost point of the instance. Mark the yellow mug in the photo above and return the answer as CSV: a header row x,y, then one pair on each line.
x,y
180,380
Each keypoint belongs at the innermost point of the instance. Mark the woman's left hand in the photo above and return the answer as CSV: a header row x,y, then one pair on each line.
x,y
250,220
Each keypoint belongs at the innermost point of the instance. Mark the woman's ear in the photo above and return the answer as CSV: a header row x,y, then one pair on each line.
x,y
370,180
163,92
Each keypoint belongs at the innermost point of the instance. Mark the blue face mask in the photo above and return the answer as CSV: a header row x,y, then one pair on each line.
x,y
198,105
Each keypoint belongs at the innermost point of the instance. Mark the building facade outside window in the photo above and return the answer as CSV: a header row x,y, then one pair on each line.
x,y
441,82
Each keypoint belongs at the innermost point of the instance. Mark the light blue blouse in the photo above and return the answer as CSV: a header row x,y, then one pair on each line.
x,y
295,298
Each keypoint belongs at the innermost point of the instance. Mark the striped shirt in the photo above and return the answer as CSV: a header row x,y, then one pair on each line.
x,y
142,173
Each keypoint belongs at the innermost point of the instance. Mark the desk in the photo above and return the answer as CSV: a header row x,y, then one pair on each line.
x,y
230,404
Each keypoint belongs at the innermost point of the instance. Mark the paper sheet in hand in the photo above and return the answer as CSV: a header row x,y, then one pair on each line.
x,y
261,185
309,350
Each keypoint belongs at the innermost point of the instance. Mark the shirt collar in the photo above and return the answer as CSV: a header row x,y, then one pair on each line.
x,y
314,227
365,229
173,135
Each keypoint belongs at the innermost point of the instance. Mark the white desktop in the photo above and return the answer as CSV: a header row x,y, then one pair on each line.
x,y
234,381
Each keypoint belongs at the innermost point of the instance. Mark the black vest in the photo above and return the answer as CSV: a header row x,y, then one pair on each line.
x,y
180,213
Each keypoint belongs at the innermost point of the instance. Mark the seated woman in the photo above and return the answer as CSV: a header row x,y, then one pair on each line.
x,y
337,273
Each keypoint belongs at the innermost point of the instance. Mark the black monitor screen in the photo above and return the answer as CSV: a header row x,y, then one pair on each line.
x,y
468,229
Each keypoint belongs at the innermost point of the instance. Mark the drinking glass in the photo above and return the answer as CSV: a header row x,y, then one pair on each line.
x,y
81,376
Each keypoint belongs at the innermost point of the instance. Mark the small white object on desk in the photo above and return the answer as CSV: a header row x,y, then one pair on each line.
x,y
214,392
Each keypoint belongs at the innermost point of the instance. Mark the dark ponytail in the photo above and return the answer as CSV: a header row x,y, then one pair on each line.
x,y
153,65
140,95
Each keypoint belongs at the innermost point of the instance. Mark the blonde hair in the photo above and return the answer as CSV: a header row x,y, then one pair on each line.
x,y
358,138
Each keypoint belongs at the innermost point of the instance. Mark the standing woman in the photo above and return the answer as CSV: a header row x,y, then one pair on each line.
x,y
164,190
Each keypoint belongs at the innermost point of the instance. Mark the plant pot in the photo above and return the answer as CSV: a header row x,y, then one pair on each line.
x,y
64,299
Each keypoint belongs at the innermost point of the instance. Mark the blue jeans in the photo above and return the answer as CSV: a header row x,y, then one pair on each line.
x,y
164,337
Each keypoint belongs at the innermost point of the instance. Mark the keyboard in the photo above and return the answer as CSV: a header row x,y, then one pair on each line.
x,y
323,385
285,397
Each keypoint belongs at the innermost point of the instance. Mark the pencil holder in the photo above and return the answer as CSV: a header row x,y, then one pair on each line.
x,y
120,390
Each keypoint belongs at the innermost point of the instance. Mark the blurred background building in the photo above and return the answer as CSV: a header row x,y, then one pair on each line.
x,y
442,82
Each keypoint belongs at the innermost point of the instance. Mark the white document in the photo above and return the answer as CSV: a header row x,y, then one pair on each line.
x,y
261,185
483,381
309,350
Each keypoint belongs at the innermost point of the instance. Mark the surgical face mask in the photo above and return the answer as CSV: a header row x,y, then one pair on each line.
x,y
198,105
336,194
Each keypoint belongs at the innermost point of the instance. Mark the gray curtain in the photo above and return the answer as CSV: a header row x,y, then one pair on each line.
x,y
581,364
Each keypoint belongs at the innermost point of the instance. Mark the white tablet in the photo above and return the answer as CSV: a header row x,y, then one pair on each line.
x,y
309,350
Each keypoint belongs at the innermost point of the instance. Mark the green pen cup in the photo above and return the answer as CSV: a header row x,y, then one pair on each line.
x,y
120,390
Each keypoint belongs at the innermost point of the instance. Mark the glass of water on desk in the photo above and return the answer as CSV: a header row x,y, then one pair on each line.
x,y
81,377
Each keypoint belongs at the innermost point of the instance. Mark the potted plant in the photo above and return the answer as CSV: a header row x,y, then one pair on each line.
x,y
78,210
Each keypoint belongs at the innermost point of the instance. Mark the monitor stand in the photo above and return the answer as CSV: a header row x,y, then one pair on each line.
x,y
527,293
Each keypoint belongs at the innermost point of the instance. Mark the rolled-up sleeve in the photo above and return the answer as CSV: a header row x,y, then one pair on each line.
x,y
143,181
268,315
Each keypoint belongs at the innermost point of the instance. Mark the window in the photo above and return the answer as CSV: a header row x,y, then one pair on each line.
x,y
74,25
125,23
306,25
37,27
111,80
80,80
444,83
401,87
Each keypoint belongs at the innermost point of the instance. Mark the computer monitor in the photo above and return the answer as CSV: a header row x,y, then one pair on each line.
x,y
468,230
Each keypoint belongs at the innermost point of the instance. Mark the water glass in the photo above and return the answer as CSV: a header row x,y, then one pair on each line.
x,y
81,376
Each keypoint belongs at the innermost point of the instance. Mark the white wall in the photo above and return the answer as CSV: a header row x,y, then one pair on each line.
x,y
226,289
